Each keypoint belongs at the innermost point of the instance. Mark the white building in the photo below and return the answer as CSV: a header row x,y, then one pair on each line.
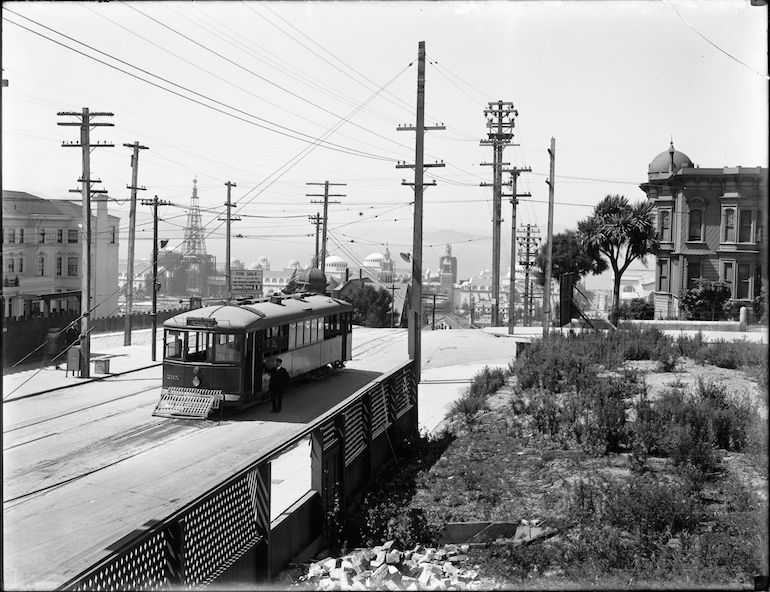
x,y
42,256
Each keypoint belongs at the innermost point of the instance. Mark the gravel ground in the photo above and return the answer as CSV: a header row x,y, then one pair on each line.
x,y
113,340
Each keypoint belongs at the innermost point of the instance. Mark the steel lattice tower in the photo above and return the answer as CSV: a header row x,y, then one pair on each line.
x,y
194,245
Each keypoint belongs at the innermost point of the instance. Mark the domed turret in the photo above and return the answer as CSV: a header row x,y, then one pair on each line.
x,y
668,162
312,280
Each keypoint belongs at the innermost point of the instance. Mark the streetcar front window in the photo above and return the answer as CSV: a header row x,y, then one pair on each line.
x,y
199,346
174,343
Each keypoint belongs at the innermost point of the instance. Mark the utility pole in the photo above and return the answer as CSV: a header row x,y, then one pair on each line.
x,y
528,244
154,203
500,123
228,205
85,125
131,237
549,244
326,203
317,221
415,299
434,313
515,172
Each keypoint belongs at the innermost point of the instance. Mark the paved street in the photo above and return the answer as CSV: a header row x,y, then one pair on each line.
x,y
85,463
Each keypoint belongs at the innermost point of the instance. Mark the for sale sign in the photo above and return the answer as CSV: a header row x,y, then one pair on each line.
x,y
247,281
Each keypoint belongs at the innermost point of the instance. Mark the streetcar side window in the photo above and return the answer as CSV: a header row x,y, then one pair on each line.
x,y
333,329
276,340
174,341
315,325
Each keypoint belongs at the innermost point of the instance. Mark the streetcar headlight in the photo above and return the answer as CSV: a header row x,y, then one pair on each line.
x,y
196,379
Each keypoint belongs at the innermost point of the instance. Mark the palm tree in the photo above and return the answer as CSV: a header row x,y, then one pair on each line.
x,y
623,233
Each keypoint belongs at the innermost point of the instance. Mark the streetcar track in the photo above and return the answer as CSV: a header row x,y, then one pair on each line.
x,y
375,344
66,481
80,409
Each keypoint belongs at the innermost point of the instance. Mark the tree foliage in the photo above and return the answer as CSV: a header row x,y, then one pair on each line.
x,y
371,306
622,232
569,256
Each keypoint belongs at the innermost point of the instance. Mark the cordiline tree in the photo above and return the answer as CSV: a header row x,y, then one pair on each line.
x,y
622,232
568,255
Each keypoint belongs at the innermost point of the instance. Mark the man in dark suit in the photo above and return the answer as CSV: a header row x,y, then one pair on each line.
x,y
279,380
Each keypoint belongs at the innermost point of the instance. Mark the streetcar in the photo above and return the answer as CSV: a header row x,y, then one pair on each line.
x,y
215,357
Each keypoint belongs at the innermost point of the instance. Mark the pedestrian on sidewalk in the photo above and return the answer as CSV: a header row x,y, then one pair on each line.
x,y
53,348
279,380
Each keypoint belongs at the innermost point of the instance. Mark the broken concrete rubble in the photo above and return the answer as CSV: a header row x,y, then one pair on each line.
x,y
387,568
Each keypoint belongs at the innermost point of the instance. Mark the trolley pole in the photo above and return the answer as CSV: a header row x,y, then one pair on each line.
x,y
317,221
500,123
415,300
85,125
131,238
154,203
228,205
549,244
326,203
515,172
527,246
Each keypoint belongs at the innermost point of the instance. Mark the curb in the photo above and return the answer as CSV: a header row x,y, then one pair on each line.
x,y
84,380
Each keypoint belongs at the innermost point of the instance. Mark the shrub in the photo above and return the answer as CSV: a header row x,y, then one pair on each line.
x,y
385,512
706,300
668,360
638,309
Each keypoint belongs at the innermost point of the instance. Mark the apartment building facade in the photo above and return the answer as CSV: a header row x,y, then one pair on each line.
x,y
42,256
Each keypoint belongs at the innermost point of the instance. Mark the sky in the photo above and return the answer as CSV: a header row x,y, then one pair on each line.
x,y
280,97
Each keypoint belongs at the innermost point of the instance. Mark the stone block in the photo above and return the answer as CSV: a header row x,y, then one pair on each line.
x,y
379,559
326,584
387,546
428,557
425,577
380,573
329,564
394,574
393,557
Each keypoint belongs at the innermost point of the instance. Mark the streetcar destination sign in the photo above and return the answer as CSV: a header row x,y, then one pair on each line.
x,y
246,281
201,322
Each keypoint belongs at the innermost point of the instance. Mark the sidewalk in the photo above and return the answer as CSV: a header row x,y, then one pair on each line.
x,y
122,359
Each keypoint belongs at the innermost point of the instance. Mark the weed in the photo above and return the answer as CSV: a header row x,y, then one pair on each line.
x,y
483,384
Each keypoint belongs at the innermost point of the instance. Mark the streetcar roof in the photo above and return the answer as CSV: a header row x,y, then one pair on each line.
x,y
257,315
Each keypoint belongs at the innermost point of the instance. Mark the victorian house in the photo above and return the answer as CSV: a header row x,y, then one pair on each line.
x,y
711,223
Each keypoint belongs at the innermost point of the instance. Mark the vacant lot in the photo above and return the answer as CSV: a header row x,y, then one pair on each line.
x,y
645,468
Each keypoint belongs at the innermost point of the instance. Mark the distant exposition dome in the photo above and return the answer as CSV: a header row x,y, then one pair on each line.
x,y
374,260
335,262
260,263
